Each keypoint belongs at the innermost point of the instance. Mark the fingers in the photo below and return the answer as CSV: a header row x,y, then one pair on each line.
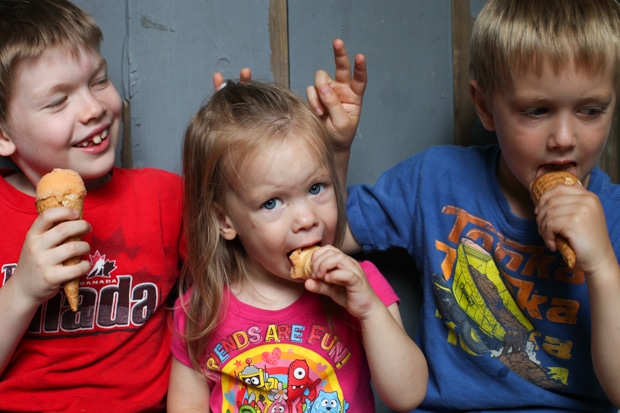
x,y
333,266
327,98
343,68
56,234
51,241
218,80
315,102
245,75
360,75
341,59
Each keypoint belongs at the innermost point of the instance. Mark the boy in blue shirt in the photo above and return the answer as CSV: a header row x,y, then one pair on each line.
x,y
505,323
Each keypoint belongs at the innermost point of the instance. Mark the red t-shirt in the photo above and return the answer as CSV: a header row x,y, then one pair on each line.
x,y
112,355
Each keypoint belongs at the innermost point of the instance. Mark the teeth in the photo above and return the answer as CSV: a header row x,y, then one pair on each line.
x,y
96,140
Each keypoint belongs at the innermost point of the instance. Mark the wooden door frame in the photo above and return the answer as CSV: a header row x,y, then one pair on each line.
x,y
278,38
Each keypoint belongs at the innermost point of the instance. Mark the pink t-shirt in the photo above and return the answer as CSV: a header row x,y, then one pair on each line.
x,y
287,360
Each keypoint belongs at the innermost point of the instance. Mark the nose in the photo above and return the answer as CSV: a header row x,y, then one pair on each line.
x,y
91,107
563,133
305,217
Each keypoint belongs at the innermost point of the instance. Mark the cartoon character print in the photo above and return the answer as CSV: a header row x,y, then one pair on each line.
x,y
250,405
279,406
327,403
483,315
274,379
300,385
256,377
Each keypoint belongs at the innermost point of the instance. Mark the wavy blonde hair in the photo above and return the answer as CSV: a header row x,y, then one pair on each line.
x,y
234,124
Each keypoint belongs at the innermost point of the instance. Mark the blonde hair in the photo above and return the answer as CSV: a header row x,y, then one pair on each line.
x,y
221,136
28,28
520,36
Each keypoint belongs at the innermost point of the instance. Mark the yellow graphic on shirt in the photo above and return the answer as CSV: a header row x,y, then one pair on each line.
x,y
477,279
484,318
279,378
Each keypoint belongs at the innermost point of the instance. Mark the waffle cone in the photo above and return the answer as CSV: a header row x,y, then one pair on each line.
x,y
63,187
543,184
302,262
70,201
550,180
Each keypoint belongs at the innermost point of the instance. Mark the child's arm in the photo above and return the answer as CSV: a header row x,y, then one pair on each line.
x,y
339,101
577,214
39,273
188,390
398,367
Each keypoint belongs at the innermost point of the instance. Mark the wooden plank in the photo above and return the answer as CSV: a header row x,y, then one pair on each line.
x,y
464,113
278,38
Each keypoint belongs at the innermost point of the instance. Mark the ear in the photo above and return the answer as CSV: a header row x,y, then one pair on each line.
x,y
7,147
481,104
227,229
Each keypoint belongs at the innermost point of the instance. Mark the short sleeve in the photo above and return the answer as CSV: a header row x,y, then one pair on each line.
x,y
379,283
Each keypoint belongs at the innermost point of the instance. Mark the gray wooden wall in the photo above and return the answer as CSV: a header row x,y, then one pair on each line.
x,y
161,55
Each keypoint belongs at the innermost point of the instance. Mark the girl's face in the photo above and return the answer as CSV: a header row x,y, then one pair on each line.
x,y
63,113
285,200
552,121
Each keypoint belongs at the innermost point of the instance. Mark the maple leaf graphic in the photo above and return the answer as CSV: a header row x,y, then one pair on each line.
x,y
101,267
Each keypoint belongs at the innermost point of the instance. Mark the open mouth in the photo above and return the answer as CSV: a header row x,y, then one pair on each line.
x,y
95,140
564,167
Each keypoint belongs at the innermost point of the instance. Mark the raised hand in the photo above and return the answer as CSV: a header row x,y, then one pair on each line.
x,y
339,99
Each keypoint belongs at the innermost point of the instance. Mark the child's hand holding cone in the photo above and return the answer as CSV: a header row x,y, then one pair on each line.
x,y
63,187
544,183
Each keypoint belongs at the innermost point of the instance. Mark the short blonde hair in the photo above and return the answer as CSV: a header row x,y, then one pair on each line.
x,y
520,36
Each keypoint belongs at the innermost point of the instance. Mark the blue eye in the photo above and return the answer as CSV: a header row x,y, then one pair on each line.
x,y
316,189
273,203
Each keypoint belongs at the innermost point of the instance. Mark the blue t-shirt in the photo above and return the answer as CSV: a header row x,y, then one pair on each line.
x,y
504,324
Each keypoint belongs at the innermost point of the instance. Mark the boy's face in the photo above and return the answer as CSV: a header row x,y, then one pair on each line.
x,y
287,201
552,121
64,112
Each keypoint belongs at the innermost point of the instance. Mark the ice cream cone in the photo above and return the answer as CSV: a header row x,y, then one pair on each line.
x,y
63,187
543,184
302,262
